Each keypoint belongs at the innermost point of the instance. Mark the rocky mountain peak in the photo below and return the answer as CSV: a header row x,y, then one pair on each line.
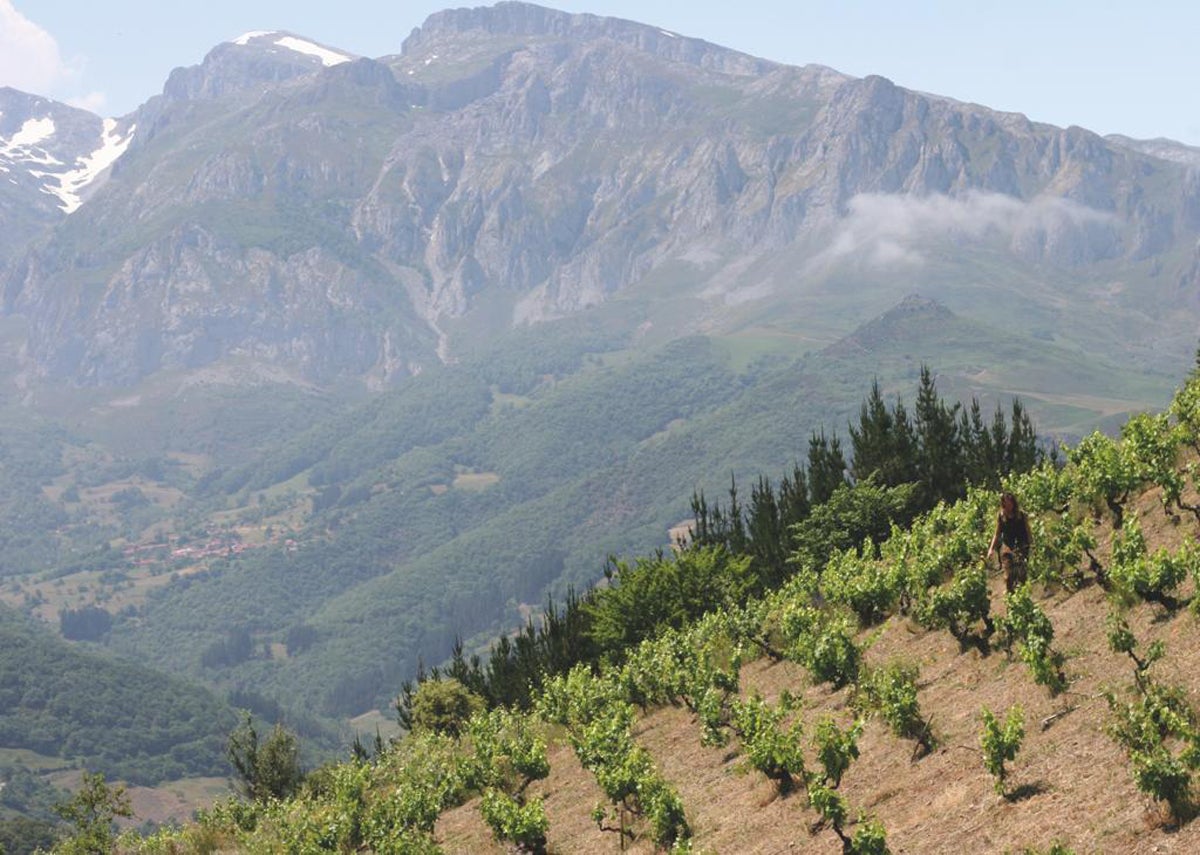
x,y
36,128
517,164
1160,147
528,20
250,62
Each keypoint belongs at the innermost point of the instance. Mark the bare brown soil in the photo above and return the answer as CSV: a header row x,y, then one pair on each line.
x,y
1070,783
175,801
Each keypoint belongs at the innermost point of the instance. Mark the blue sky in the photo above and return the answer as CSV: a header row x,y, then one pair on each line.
x,y
1111,67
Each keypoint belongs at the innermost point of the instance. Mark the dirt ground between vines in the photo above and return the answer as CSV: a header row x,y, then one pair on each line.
x,y
1070,783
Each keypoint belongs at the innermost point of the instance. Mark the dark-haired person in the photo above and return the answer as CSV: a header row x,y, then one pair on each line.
x,y
1013,537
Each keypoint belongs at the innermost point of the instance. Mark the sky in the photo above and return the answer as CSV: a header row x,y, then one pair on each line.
x,y
1118,67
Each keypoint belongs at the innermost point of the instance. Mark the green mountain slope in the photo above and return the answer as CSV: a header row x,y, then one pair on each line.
x,y
104,714
456,527
856,704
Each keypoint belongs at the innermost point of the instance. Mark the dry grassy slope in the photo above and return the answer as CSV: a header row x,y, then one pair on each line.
x,y
1075,782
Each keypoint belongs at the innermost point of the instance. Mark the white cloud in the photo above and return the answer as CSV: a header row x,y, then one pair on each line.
x,y
886,230
29,56
30,60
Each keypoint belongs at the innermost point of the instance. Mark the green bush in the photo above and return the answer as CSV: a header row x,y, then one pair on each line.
x,y
822,641
1136,575
870,588
444,706
836,748
1000,744
1028,625
1160,732
524,824
508,752
959,606
770,747
92,813
870,838
891,692
653,594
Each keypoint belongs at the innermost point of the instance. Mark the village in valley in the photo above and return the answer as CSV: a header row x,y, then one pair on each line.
x,y
136,569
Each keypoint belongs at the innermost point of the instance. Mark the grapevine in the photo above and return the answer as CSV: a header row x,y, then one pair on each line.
x,y
1027,625
891,692
1001,743
1154,578
960,606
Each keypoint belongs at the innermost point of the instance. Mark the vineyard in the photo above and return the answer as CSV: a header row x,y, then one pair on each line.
x,y
894,698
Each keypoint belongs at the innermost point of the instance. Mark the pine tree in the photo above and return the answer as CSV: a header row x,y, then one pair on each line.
x,y
904,448
871,442
883,444
793,497
767,534
978,452
702,522
265,770
735,539
1022,452
826,467
939,460
469,673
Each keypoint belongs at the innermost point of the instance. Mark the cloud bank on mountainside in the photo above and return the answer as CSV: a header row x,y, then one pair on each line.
x,y
882,230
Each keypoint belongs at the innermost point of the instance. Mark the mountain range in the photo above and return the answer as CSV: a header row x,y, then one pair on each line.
x,y
345,218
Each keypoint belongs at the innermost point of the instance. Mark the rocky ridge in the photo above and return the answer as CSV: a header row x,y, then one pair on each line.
x,y
551,162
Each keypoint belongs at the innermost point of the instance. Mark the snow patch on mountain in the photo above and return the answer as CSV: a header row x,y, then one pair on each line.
x,y
23,147
89,168
246,38
327,56
59,179
32,132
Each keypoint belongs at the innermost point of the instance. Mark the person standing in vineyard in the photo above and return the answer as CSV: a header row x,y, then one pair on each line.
x,y
1013,537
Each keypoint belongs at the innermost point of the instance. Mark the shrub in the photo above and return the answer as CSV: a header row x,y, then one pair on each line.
x,y
444,706
836,748
1001,744
1135,575
1160,733
960,605
1031,629
525,824
771,748
822,641
891,692
869,587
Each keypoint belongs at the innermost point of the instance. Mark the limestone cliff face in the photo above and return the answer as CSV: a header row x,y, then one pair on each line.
x,y
332,219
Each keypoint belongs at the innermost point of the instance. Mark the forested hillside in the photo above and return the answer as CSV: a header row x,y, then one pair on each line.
x,y
118,718
451,506
879,694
